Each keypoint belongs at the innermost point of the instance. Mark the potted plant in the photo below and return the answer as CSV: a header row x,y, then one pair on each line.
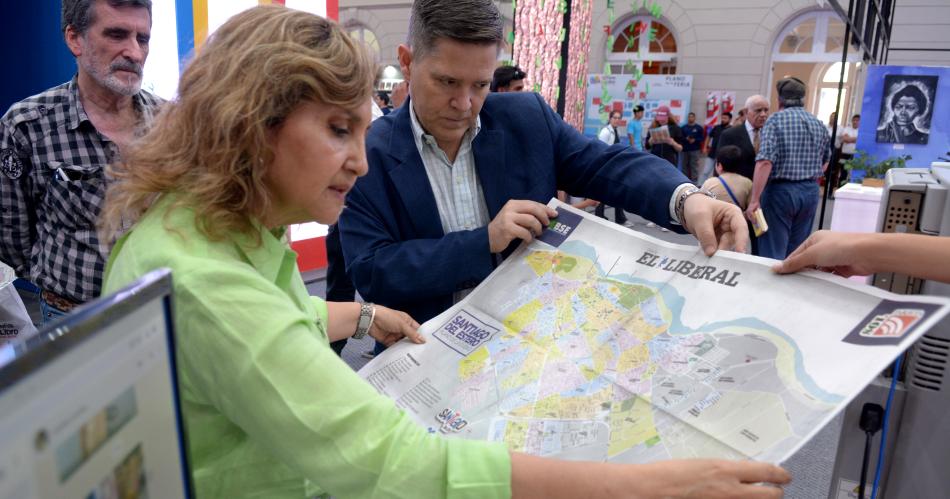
x,y
873,171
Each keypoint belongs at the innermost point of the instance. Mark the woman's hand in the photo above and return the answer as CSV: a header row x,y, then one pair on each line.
x,y
390,326
709,479
835,252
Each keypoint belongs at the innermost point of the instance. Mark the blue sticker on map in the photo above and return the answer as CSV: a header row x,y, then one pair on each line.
x,y
560,228
464,333
889,322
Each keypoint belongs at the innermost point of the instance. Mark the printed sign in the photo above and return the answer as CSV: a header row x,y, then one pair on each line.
x,y
560,228
464,333
889,322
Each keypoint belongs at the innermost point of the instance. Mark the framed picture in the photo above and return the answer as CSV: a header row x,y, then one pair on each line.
x,y
906,109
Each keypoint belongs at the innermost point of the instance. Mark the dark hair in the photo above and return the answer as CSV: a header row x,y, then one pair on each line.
x,y
466,21
384,95
612,113
504,75
729,157
690,114
727,113
856,116
638,108
80,14
914,92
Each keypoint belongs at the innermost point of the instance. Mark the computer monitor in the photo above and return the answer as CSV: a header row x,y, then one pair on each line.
x,y
89,406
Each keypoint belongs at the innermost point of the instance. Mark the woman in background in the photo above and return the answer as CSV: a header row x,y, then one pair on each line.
x,y
668,145
268,130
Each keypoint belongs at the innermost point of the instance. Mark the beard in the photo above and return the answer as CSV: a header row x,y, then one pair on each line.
x,y
108,78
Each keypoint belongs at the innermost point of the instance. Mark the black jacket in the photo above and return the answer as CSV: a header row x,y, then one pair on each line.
x,y
738,136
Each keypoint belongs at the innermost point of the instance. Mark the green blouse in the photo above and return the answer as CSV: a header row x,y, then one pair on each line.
x,y
270,411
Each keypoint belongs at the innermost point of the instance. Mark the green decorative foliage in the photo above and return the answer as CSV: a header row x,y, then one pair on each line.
x,y
562,35
872,169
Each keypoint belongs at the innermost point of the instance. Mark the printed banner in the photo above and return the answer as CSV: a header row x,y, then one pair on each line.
x,y
606,93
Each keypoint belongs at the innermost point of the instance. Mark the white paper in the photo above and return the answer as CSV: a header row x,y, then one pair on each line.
x,y
608,348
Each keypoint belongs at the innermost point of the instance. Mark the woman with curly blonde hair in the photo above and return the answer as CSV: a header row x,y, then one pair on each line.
x,y
268,130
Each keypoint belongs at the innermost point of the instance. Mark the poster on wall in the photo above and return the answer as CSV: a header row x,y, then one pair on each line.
x,y
905,114
607,93
718,102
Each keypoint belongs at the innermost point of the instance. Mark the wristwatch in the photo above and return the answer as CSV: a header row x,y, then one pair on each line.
x,y
367,314
681,201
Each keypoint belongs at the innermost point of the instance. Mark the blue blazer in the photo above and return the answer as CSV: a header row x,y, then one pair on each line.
x,y
395,250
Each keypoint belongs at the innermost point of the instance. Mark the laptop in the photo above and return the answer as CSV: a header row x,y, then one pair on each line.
x,y
89,406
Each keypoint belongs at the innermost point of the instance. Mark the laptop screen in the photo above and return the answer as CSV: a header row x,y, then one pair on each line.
x,y
88,408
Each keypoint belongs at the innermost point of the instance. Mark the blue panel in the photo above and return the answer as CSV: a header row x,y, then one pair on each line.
x,y
35,57
186,30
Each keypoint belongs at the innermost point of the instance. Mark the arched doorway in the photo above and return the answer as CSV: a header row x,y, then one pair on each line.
x,y
809,48
642,42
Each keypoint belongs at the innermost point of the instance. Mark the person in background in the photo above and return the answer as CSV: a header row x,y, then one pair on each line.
x,y
693,137
748,136
846,141
610,135
794,152
669,147
739,120
508,79
271,411
832,118
54,147
635,128
848,254
712,142
728,185
382,100
399,94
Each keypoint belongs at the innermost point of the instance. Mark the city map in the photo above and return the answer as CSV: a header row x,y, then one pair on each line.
x,y
595,342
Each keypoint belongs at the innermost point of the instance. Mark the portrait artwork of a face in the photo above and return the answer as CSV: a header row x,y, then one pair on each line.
x,y
906,109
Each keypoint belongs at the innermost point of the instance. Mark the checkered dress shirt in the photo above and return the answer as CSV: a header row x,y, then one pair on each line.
x,y
458,192
47,222
796,143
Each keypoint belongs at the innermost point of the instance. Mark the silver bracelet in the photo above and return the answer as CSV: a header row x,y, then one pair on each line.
x,y
365,322
681,202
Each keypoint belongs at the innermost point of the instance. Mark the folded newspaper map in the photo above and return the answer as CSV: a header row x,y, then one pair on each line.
x,y
595,342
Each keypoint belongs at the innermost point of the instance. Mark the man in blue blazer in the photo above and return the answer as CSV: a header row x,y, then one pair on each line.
x,y
459,177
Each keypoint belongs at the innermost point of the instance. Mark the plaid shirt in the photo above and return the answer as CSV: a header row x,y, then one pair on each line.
x,y
48,222
796,143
